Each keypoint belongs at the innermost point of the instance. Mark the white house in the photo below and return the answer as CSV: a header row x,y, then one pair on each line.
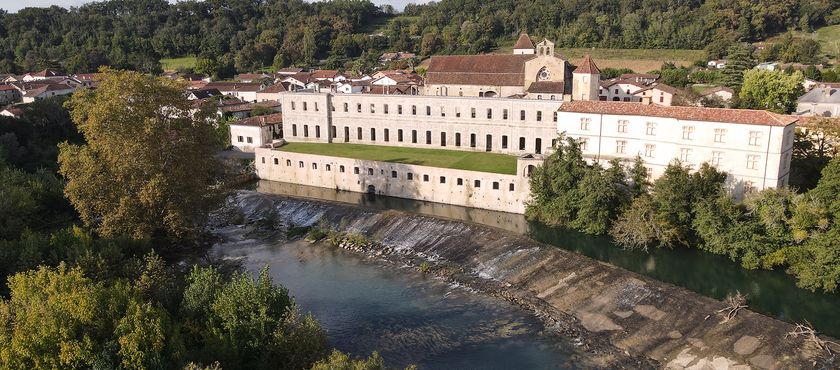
x,y
719,64
620,90
46,91
245,91
253,132
9,95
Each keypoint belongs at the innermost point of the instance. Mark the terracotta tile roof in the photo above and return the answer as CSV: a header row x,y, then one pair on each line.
x,y
234,86
260,121
662,87
587,66
324,73
554,87
276,88
488,69
7,87
628,76
741,116
524,42
245,107
45,73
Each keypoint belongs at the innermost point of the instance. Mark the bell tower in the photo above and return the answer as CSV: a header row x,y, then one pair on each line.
x,y
586,80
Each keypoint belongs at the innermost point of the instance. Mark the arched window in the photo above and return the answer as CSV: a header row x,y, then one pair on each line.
x,y
544,74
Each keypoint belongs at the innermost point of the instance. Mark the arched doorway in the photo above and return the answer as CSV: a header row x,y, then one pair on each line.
x,y
371,189
490,94
530,170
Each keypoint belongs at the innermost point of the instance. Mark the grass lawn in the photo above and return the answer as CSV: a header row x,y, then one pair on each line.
x,y
172,64
462,160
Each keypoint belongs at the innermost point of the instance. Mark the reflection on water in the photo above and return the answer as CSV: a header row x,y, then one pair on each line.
x,y
772,293
402,314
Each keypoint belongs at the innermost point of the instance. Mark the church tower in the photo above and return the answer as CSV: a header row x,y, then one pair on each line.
x,y
545,48
524,45
586,80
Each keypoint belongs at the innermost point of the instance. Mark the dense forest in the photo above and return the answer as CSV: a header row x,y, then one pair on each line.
x,y
241,35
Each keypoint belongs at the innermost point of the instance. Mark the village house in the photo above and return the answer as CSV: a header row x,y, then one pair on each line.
x,y
272,92
657,93
14,112
718,92
243,110
499,75
717,64
823,100
620,90
42,75
642,78
245,91
44,91
203,94
9,95
390,57
252,77
254,132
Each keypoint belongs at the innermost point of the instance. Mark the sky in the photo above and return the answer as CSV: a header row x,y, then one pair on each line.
x,y
15,5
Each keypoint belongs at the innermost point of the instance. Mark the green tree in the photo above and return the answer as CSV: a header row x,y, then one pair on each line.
x,y
738,59
773,91
147,168
340,361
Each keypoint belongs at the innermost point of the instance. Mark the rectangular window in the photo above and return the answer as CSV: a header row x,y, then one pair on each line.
x,y
414,136
428,110
314,166
386,135
328,167
539,116
359,133
300,164
334,132
521,143
522,115
717,158
400,135
457,112
554,117
688,132
262,159
359,107
293,105
239,139
650,150
414,110
305,130
457,139
489,113
373,108
409,176
318,131
425,178
442,112
346,107
651,128
372,134
584,123
752,161
341,168
622,126
385,108
294,130
346,134
755,138
685,155
399,109
477,183
584,144
538,146
288,163
495,185
472,141
316,106
621,147
394,174
472,112
504,114
720,135
304,106
443,180
504,142
442,138
428,138
510,187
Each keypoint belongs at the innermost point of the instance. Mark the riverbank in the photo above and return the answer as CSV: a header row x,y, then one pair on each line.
x,y
621,318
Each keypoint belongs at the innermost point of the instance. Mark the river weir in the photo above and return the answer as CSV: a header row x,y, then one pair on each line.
x,y
616,318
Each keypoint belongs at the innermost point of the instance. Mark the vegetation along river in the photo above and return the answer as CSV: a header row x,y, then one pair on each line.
x,y
772,293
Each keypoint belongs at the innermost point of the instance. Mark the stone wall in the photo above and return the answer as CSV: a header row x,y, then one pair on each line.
x,y
498,192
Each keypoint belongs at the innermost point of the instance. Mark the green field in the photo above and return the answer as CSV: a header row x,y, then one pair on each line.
x,y
172,64
462,160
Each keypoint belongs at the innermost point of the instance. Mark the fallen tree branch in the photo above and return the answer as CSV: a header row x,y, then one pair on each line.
x,y
734,303
807,330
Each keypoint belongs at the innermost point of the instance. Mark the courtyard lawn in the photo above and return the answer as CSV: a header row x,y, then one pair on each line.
x,y
462,160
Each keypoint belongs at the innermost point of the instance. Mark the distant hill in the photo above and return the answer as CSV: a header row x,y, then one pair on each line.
x,y
228,36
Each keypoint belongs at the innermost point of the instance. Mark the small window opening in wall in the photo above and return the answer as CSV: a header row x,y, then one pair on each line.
x,y
460,181
409,176
328,168
263,160
359,108
428,110
300,164
443,180
341,169
522,115
355,170
394,174
477,183
289,162
370,171
346,107
495,185
399,109
426,178
304,105
510,187
414,110
504,114
314,166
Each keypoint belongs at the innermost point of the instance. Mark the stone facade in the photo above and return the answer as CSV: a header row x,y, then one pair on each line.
x,y
498,192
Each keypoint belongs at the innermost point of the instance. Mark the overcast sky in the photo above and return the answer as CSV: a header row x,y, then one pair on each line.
x,y
15,5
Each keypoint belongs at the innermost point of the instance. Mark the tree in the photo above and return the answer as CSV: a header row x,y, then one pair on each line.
x,y
147,168
340,361
769,90
739,59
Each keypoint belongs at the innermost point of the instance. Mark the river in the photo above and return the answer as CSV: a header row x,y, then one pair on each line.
x,y
772,293
408,317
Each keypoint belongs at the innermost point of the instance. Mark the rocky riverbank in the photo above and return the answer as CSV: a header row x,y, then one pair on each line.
x,y
622,319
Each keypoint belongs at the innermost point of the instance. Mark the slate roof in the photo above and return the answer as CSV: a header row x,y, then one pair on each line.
x,y
740,116
818,95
